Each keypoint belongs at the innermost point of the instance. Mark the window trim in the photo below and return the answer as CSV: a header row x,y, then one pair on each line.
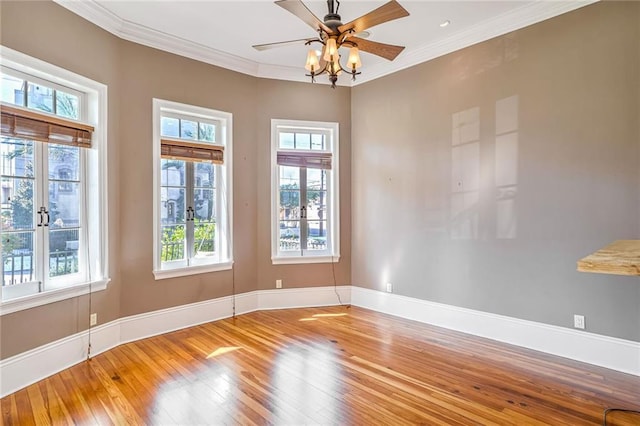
x,y
178,110
94,107
27,302
333,128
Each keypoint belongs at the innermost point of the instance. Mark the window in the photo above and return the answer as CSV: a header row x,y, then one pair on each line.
x,y
192,215
52,170
305,219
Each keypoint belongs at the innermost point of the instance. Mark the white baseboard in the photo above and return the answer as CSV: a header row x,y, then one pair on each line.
x,y
32,366
149,324
304,297
616,354
29,367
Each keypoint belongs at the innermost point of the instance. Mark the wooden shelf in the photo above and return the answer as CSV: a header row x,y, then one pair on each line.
x,y
621,257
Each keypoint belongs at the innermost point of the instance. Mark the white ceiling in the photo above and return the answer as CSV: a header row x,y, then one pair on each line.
x,y
222,32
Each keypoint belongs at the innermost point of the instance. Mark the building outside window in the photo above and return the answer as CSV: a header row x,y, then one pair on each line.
x,y
192,226
305,199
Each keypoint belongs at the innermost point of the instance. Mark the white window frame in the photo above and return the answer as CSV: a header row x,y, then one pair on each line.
x,y
93,107
332,254
224,189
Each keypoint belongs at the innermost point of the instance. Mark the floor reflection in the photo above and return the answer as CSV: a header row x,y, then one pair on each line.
x,y
251,380
190,403
310,378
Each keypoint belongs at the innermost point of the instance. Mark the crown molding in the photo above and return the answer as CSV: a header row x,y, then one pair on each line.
x,y
98,15
518,18
94,13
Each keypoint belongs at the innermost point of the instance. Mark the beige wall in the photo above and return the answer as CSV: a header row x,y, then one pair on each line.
x,y
148,73
135,75
439,222
286,100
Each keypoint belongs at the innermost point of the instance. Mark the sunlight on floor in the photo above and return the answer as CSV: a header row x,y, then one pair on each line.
x,y
223,350
329,315
316,316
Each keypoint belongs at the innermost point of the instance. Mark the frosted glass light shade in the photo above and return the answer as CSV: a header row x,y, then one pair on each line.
x,y
354,58
330,50
312,61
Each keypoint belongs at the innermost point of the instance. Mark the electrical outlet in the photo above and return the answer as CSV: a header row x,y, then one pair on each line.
x,y
389,288
578,321
93,319
278,283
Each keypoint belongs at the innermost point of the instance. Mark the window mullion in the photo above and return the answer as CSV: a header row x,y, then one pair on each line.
x,y
25,93
189,204
84,267
221,215
328,213
41,199
303,203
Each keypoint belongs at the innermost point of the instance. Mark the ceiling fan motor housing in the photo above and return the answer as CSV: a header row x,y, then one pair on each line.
x,y
333,21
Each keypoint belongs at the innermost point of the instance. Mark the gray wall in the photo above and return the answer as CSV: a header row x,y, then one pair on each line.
x,y
481,177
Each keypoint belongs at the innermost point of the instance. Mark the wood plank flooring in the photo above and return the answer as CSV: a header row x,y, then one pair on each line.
x,y
333,365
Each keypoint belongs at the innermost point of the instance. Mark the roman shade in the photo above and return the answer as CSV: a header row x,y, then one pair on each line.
x,y
309,159
33,125
189,151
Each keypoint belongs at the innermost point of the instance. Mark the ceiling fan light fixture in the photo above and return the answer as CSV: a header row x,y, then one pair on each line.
x,y
332,34
312,61
330,50
354,58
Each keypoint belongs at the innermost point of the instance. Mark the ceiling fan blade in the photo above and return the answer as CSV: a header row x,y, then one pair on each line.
x,y
267,46
301,11
385,13
387,51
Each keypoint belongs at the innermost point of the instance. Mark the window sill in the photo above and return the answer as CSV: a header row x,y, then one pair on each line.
x,y
293,260
191,270
33,300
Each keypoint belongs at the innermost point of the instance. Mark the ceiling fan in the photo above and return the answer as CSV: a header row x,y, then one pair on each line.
x,y
333,34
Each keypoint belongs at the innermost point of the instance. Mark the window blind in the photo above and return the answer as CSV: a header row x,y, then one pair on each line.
x,y
189,151
26,124
309,159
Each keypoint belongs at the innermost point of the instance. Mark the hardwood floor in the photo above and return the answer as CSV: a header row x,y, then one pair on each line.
x,y
334,365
